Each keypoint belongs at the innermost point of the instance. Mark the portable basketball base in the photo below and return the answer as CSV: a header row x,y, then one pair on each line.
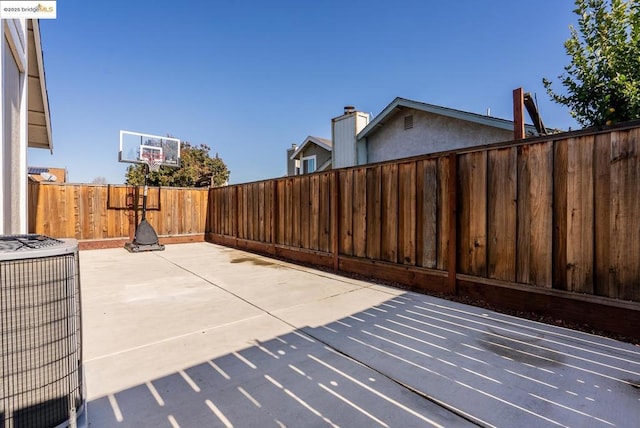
x,y
153,151
145,238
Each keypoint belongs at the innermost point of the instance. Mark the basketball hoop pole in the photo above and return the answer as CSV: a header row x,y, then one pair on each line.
x,y
145,190
145,239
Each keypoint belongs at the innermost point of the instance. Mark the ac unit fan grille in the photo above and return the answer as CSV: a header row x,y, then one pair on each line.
x,y
40,343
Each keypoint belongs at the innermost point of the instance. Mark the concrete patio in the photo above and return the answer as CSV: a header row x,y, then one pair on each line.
x,y
202,335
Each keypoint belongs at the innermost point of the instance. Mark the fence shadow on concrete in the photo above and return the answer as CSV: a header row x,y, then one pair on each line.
x,y
412,360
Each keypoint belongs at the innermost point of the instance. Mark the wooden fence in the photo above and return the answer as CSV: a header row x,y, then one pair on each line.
x,y
556,214
103,212
537,224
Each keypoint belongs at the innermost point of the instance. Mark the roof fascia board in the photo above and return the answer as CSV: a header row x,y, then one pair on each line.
x,y
42,78
307,141
443,111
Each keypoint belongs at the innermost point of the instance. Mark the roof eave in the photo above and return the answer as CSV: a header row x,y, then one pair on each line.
x,y
39,119
310,140
399,103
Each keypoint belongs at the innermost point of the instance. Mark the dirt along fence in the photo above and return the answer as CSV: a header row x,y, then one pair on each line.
x,y
547,225
101,216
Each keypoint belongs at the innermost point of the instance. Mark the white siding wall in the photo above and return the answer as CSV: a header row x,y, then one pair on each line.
x,y
13,128
431,133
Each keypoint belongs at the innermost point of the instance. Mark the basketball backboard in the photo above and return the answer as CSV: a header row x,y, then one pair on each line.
x,y
136,147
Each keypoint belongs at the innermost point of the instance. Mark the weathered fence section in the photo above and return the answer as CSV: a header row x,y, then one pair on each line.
x,y
550,214
101,212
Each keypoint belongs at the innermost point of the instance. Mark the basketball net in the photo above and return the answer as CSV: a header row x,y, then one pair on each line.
x,y
153,163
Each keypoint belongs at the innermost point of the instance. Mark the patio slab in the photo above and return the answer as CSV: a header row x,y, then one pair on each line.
x,y
202,335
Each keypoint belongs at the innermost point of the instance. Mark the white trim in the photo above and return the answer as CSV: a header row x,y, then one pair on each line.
x,y
311,140
23,224
325,165
315,164
13,167
14,30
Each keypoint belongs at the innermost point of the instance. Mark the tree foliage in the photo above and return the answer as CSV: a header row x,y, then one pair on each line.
x,y
602,82
195,164
99,180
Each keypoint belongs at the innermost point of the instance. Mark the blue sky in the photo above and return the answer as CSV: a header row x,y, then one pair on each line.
x,y
249,78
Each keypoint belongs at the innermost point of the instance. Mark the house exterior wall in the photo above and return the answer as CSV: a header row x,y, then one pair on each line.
x,y
430,133
321,154
291,163
13,127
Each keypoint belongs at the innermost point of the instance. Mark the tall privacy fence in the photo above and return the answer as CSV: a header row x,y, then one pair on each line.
x,y
559,214
542,224
102,212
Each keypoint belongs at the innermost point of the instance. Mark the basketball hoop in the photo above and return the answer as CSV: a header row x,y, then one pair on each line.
x,y
154,164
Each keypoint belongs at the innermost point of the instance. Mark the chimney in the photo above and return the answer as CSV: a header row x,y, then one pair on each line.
x,y
291,164
349,109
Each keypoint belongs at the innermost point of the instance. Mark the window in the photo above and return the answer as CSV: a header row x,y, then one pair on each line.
x,y
308,164
408,122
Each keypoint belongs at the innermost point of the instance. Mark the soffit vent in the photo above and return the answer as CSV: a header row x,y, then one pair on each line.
x,y
408,122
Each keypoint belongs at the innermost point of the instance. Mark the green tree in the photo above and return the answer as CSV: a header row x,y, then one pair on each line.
x,y
195,163
602,82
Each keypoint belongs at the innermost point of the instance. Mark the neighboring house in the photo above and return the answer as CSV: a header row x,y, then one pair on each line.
x,y
57,175
24,108
314,154
408,128
403,129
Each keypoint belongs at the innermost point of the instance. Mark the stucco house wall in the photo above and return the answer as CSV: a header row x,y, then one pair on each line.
x,y
430,133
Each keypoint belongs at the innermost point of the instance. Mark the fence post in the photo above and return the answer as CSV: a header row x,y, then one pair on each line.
x,y
453,223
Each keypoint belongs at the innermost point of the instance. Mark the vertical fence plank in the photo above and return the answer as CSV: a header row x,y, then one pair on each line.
x,y
427,213
281,200
288,212
407,213
268,211
535,213
580,210
443,192
560,170
255,211
360,220
334,217
389,213
261,220
297,212
251,210
625,227
347,202
374,186
314,217
304,212
602,209
324,241
501,221
472,219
